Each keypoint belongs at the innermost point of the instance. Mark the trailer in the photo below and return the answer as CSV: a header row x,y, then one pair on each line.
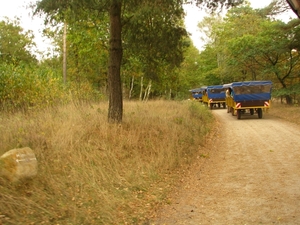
x,y
214,96
196,94
248,97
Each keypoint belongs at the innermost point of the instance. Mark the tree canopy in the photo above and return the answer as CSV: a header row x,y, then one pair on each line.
x,y
15,43
151,31
251,44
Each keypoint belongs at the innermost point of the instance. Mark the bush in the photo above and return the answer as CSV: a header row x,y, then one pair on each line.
x,y
24,88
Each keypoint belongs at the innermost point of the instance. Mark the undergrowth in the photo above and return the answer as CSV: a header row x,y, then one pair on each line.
x,y
289,113
92,172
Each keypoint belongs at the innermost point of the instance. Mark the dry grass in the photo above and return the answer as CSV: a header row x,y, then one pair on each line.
x,y
92,172
286,112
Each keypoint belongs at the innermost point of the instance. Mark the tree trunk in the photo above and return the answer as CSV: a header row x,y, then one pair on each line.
x,y
287,97
288,100
131,87
65,53
141,90
115,109
147,92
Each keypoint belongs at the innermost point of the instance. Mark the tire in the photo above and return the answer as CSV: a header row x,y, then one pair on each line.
x,y
224,105
251,111
259,113
211,105
239,113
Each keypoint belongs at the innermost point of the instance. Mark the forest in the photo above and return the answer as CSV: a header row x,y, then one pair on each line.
x,y
102,162
153,58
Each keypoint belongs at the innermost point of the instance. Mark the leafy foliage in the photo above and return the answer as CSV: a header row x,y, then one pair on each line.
x,y
22,89
155,25
25,88
249,45
15,43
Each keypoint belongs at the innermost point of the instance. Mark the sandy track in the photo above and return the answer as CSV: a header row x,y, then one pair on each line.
x,y
252,176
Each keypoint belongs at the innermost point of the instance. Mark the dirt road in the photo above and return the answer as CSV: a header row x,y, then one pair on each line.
x,y
249,174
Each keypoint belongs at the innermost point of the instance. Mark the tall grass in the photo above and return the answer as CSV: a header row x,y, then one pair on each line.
x,y
92,172
286,112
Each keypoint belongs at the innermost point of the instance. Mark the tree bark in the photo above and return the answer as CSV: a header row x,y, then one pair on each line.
x,y
65,53
115,109
147,92
131,87
288,99
141,90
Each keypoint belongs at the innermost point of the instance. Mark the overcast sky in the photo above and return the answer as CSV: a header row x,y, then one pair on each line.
x,y
17,8
194,16
13,8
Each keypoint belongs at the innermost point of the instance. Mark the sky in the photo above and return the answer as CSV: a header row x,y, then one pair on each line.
x,y
17,8
195,15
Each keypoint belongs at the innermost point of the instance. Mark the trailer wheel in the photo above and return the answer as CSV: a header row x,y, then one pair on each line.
x,y
211,105
239,113
251,111
224,105
259,113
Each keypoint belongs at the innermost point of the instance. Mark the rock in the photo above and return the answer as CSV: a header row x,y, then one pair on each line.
x,y
17,164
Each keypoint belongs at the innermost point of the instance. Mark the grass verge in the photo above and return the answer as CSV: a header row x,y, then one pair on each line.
x,y
92,172
289,113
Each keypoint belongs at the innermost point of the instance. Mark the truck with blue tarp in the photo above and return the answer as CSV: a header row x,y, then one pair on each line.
x,y
248,96
197,93
214,95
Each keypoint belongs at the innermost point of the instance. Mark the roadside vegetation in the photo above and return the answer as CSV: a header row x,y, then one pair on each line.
x,y
93,172
114,164
289,113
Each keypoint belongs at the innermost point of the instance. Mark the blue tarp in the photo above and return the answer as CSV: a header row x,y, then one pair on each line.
x,y
216,91
198,89
250,90
197,95
197,92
